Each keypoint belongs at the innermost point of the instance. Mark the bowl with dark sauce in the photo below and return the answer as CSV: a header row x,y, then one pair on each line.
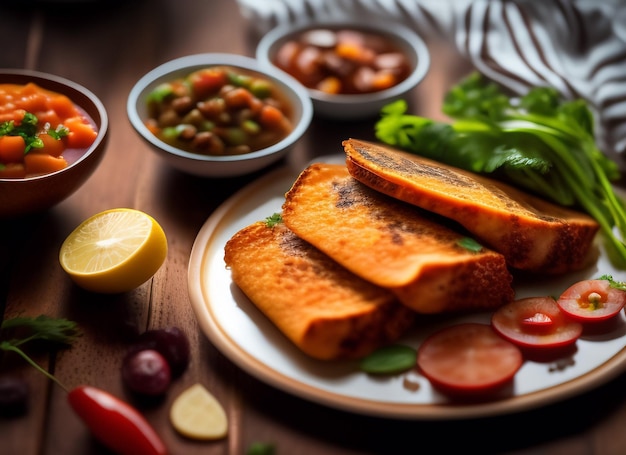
x,y
219,115
351,70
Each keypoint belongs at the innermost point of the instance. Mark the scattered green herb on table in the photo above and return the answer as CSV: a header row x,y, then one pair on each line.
x,y
261,448
539,142
42,328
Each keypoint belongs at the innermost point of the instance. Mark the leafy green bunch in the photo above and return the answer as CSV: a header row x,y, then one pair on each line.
x,y
539,142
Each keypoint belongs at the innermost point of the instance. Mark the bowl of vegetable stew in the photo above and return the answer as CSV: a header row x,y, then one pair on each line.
x,y
351,70
219,115
53,136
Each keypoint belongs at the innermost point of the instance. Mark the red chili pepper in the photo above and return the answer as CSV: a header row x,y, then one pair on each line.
x,y
115,423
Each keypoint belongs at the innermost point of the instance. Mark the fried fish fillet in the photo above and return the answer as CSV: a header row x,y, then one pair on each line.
x,y
533,234
326,311
393,244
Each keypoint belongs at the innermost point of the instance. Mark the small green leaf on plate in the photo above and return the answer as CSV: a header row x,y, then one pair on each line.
x,y
273,220
389,360
470,244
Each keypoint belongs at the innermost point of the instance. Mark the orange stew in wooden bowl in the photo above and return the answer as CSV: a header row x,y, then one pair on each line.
x,y
219,111
38,128
343,61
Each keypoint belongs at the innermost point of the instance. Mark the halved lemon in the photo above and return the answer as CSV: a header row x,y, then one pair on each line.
x,y
114,251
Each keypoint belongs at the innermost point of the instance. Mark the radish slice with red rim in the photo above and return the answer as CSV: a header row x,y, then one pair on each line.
x,y
536,322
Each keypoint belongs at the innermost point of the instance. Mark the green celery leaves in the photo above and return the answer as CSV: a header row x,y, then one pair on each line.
x,y
538,142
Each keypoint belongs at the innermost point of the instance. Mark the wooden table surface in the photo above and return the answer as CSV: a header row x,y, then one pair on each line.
x,y
107,49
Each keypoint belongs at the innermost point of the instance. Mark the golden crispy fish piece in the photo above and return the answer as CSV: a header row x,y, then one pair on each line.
x,y
325,310
532,234
393,244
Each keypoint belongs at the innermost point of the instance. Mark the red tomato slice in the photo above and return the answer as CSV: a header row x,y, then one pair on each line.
x,y
535,322
468,359
592,301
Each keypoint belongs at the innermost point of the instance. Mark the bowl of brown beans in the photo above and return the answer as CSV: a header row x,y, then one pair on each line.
x,y
219,115
351,70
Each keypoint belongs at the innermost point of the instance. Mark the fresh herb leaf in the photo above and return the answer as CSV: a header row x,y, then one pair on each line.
x,y
273,220
538,142
61,331
59,132
621,285
27,129
44,328
6,128
261,448
470,244
389,360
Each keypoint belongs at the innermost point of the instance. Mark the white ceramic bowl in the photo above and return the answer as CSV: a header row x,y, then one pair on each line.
x,y
228,165
358,106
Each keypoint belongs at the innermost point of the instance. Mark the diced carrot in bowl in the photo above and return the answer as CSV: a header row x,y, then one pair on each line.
x,y
81,134
11,149
51,146
40,163
12,171
63,106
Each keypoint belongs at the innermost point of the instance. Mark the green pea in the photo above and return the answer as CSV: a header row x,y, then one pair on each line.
x,y
236,136
170,133
261,88
389,360
207,125
251,127
160,93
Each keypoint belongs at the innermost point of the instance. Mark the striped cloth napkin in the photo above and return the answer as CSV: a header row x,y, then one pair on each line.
x,y
575,46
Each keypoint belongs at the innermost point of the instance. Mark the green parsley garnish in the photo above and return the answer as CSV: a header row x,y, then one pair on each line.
x,y
29,131
273,220
614,284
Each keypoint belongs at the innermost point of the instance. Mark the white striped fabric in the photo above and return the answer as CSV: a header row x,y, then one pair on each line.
x,y
576,46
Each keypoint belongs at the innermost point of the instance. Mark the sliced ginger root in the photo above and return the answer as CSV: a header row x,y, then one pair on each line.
x,y
197,414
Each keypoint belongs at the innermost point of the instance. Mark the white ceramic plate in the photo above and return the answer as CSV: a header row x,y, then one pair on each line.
x,y
243,334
